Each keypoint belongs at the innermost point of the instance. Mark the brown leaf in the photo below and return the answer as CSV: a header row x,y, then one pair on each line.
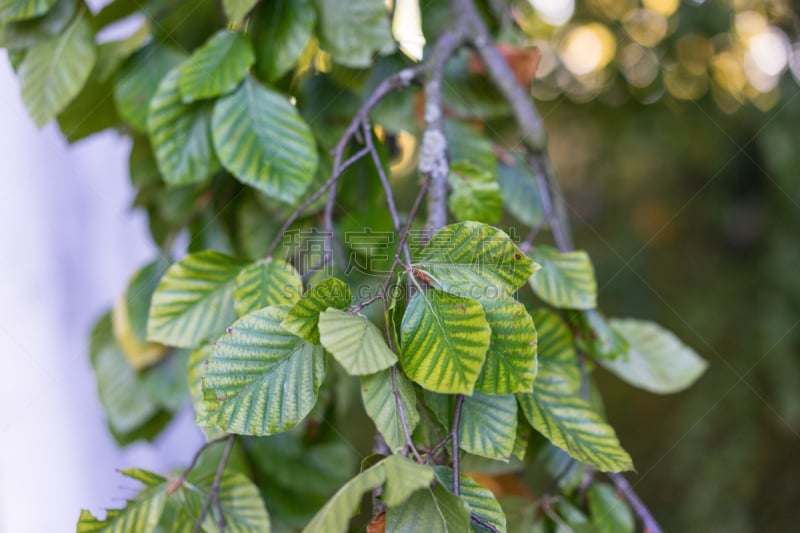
x,y
523,61
377,524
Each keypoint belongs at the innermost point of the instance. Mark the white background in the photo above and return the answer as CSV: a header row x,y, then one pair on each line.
x,y
68,243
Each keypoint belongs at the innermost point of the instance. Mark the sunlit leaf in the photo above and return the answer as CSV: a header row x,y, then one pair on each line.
x,y
355,342
237,10
444,341
15,10
657,361
260,379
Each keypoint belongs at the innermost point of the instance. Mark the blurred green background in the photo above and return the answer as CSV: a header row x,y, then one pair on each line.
x,y
674,127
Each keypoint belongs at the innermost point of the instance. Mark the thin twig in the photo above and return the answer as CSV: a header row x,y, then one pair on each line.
x,y
454,438
483,523
440,445
212,492
641,510
182,478
396,81
401,410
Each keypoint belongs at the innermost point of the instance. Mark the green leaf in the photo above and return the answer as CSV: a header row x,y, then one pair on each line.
x,y
355,342
556,410
261,379
488,425
165,383
475,193
138,80
520,191
480,500
15,10
657,360
595,336
262,140
194,300
217,67
555,343
242,506
91,111
402,478
510,365
352,31
54,71
474,260
140,515
377,393
180,135
282,29
237,10
265,283
566,280
118,384
303,317
430,509
609,513
444,340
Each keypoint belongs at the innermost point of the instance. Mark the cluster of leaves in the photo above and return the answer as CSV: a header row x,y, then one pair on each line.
x,y
231,130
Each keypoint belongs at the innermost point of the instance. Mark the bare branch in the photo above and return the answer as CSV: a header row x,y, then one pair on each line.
x,y
213,495
641,510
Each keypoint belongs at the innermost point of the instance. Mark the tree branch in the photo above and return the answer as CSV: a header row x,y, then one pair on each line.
x,y
454,438
213,495
641,510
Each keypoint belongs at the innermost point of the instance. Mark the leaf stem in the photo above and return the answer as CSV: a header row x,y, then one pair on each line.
x,y
454,438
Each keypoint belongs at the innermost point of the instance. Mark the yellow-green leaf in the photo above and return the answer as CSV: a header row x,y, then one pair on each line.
x,y
488,425
430,509
355,342
265,283
180,134
510,365
194,300
262,140
217,67
566,280
656,361
474,260
444,341
377,393
557,411
141,514
237,10
475,194
352,31
303,317
480,500
261,379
